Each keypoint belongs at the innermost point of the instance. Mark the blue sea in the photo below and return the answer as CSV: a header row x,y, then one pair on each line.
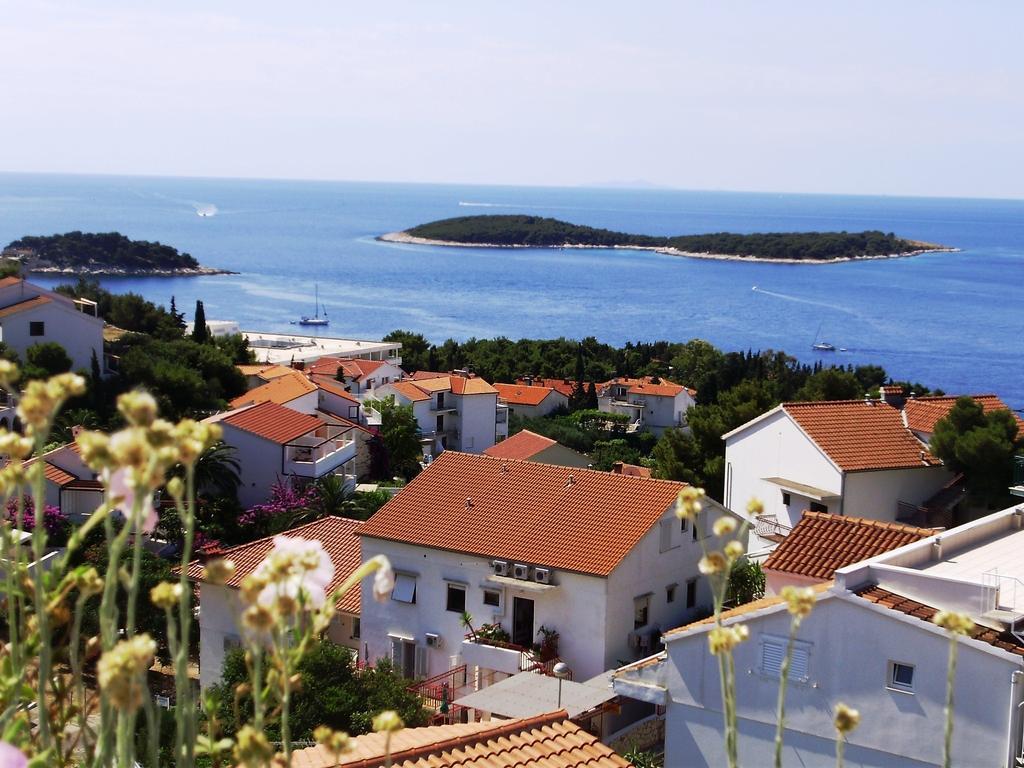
x,y
949,320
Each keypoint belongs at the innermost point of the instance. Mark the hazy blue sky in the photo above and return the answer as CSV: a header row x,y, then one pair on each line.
x,y
875,97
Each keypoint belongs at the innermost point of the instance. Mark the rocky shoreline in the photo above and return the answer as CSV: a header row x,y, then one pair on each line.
x,y
120,272
406,238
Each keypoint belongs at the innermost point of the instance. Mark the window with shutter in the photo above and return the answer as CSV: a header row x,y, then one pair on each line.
x,y
396,653
773,651
666,535
421,662
404,590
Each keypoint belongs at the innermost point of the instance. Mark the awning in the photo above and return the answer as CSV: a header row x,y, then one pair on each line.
x,y
801,489
524,584
529,694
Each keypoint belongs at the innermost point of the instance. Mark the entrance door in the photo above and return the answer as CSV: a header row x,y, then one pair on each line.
x,y
522,621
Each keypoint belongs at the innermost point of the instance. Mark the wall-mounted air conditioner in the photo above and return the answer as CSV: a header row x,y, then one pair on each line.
x,y
500,567
542,575
521,571
434,640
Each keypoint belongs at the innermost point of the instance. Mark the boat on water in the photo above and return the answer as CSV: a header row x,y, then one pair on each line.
x,y
821,346
317,318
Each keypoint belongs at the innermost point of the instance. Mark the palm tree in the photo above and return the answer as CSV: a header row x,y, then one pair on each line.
x,y
217,471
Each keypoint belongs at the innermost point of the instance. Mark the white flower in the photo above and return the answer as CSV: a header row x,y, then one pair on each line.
x,y
124,493
383,580
296,568
11,756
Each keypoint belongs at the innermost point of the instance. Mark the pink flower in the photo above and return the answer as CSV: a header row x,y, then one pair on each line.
x,y
124,494
11,756
383,581
295,568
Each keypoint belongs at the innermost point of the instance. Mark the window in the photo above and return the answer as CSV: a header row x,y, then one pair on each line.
x,y
670,593
456,599
695,526
492,597
773,651
231,642
785,499
36,328
818,507
901,676
641,610
682,525
405,588
691,593
666,536
355,627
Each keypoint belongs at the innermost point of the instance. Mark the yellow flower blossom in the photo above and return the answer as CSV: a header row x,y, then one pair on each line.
x,y
800,600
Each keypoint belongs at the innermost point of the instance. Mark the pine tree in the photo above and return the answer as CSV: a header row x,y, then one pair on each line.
x,y
591,403
178,317
200,332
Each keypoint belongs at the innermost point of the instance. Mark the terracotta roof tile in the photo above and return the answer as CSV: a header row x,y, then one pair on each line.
x,y
520,394
822,543
922,412
273,422
634,470
1000,639
23,306
522,445
335,387
353,367
541,514
861,435
9,281
335,533
265,371
409,390
57,475
565,386
665,389
548,741
471,386
280,390
418,375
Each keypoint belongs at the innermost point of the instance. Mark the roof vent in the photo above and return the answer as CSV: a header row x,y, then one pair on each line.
x,y
867,398
504,468
922,455
937,548
570,481
913,394
469,503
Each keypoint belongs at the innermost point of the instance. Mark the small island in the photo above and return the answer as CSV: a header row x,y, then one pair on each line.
x,y
510,231
104,253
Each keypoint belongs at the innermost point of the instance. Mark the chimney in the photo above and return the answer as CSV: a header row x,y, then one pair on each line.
x,y
571,481
867,398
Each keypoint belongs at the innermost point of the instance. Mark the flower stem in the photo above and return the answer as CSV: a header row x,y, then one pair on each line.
x,y
947,744
184,712
780,709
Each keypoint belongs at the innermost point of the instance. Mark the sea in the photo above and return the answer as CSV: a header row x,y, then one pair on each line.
x,y
948,320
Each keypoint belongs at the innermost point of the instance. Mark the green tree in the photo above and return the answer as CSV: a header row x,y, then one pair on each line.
x,y
200,333
746,583
177,317
45,359
399,435
606,452
831,384
980,445
677,457
415,349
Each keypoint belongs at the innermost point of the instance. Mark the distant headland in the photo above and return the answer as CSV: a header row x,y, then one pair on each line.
x,y
105,253
507,231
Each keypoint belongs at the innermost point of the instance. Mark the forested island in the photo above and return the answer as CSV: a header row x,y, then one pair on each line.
x,y
104,253
512,231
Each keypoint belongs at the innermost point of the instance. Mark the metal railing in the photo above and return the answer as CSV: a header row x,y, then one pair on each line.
x,y
769,525
440,690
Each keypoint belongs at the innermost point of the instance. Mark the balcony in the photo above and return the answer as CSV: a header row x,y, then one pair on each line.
x,y
495,655
320,452
1017,488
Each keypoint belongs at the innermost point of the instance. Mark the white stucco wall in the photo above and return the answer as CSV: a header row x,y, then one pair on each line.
x,y
260,464
852,644
336,404
476,421
79,334
775,447
305,403
551,402
662,412
875,494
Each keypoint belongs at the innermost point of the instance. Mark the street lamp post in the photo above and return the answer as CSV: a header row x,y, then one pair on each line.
x,y
561,671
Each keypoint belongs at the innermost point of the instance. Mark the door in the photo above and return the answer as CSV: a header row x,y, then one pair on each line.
x,y
440,423
522,621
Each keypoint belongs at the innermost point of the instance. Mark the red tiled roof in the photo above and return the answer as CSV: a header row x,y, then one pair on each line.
x,y
57,475
861,435
522,445
744,609
335,533
923,412
9,281
22,306
633,470
353,367
335,387
273,422
1003,640
658,390
545,741
562,517
282,389
892,389
418,375
559,385
471,386
821,543
409,390
520,394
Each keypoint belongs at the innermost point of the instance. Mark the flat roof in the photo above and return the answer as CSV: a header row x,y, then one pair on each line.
x,y
999,554
286,347
530,693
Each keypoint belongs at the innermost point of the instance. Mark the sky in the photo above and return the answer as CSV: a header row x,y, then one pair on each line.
x,y
915,97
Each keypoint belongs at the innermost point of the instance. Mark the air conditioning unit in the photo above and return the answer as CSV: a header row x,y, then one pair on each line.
x,y
500,567
434,640
542,575
521,571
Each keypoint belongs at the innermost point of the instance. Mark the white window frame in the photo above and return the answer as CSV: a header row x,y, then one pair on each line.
x,y
686,597
450,585
773,651
404,590
500,607
671,592
890,676
666,541
642,602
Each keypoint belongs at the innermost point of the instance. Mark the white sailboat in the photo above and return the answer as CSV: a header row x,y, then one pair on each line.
x,y
821,346
316,319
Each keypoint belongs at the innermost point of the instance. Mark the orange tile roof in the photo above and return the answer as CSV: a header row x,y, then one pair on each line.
x,y
273,422
859,435
440,384
265,371
23,306
520,394
565,386
664,389
353,367
545,741
471,386
892,389
335,533
923,412
280,390
335,387
522,445
9,281
541,514
409,390
821,543
57,475
1000,639
634,470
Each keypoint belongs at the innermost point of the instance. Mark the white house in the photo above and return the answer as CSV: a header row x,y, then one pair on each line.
x,y
531,402
358,376
650,402
868,643
274,442
598,557
70,484
529,446
454,411
220,605
32,315
292,390
851,457
294,348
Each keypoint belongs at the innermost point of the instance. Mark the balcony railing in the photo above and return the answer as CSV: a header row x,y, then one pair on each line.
x,y
769,527
320,452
